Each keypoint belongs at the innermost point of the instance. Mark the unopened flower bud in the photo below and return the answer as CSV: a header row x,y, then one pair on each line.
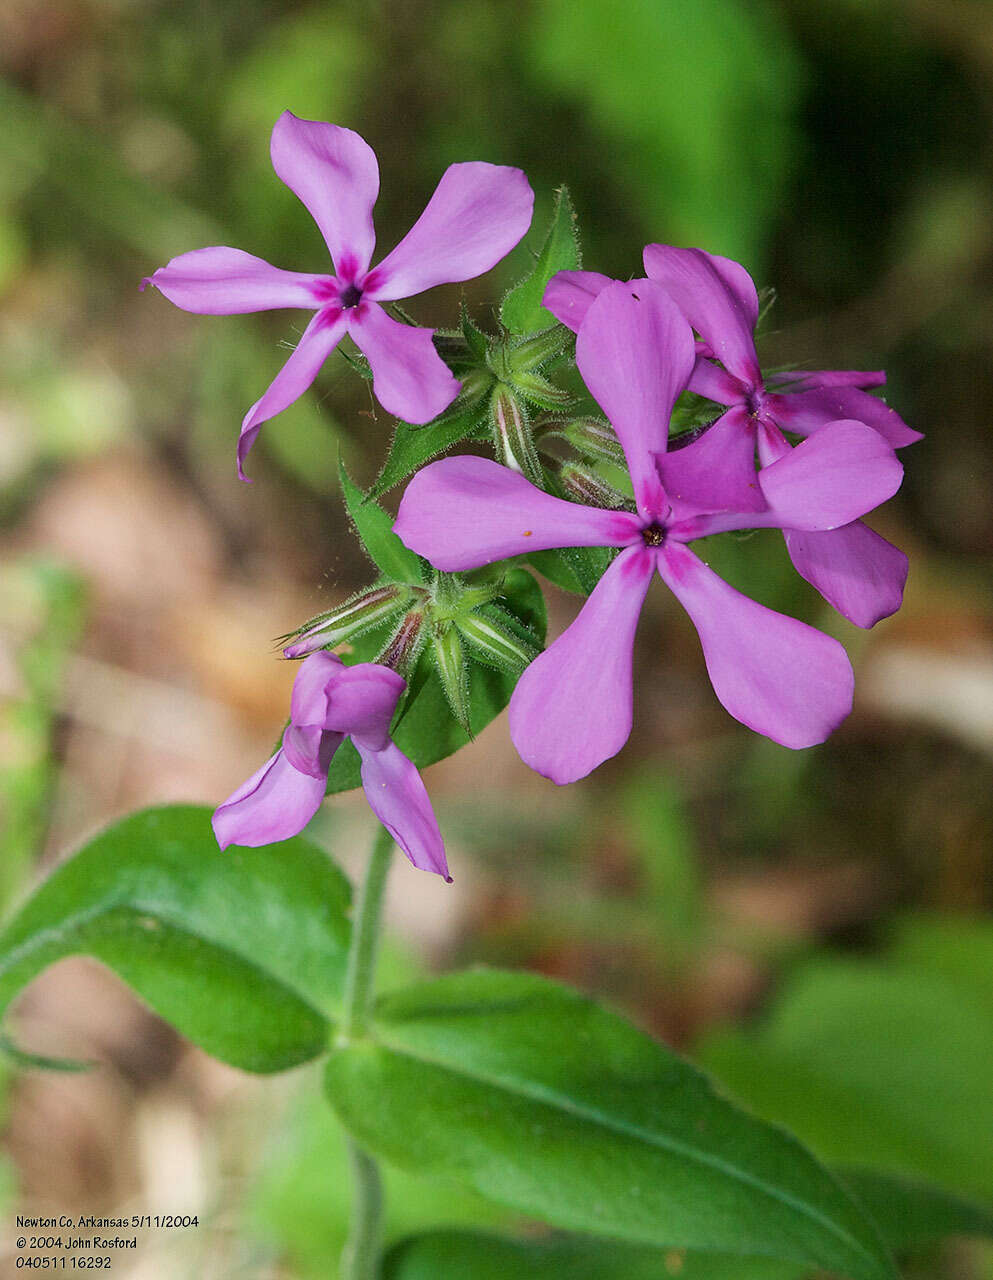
x,y
583,484
534,351
595,438
512,434
361,613
495,640
450,662
402,649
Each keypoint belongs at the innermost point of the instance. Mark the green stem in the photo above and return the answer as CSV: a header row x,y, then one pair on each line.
x,y
360,1259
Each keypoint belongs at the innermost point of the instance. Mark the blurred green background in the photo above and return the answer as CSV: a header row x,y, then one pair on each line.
x,y
813,927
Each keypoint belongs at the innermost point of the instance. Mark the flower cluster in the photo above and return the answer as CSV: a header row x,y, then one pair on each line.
x,y
809,454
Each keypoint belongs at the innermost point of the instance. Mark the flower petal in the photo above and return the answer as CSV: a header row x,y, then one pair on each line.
x,y
832,478
572,708
776,675
398,798
361,702
309,749
635,352
335,173
714,383
226,282
716,472
275,803
568,295
409,378
808,379
805,412
855,570
319,339
309,700
477,214
718,298
464,512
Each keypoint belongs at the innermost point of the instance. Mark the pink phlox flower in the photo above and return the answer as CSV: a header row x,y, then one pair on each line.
x,y
855,570
572,708
329,703
475,217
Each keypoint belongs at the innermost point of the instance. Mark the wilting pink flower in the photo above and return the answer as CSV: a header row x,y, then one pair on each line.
x,y
572,708
329,703
475,217
857,571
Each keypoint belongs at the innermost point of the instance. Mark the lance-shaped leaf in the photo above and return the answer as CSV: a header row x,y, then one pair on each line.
x,y
375,529
522,311
453,1255
425,729
413,446
910,1213
243,951
545,1102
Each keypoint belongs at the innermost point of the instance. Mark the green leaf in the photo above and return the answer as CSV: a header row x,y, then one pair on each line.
x,y
242,951
426,731
375,529
522,311
454,1255
544,1102
413,446
886,1067
911,1213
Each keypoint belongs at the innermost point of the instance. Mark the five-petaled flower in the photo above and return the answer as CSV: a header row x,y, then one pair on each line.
x,y
477,214
857,571
572,708
329,702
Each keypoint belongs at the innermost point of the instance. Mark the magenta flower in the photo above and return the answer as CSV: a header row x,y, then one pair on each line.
x,y
331,701
475,217
572,708
855,570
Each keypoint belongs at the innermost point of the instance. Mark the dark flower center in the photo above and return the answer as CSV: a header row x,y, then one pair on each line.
x,y
653,535
753,400
350,297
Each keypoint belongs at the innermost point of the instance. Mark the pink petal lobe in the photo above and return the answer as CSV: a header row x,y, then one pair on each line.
x,y
714,383
398,798
855,570
226,282
569,295
716,472
776,675
464,512
319,339
309,700
409,378
831,478
275,803
572,708
335,174
805,412
361,702
477,214
808,379
718,298
635,352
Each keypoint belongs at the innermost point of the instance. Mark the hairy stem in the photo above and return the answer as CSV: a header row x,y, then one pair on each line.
x,y
360,1259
